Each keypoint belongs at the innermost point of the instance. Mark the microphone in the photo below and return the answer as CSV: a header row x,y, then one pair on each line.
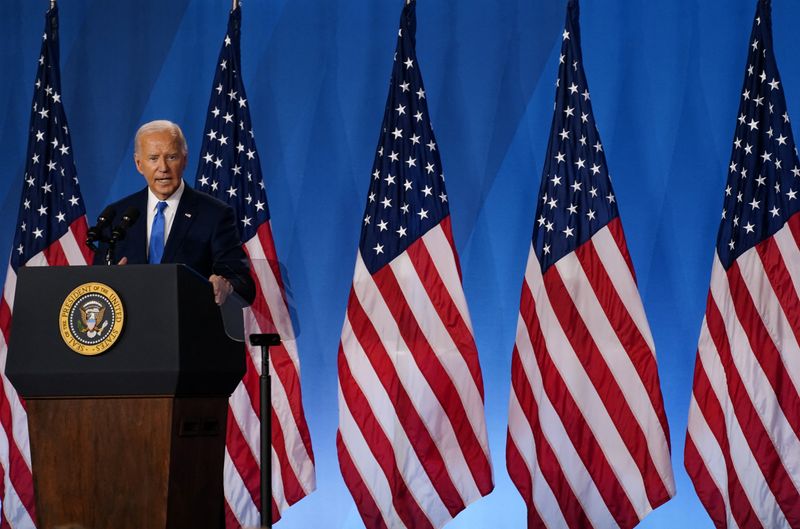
x,y
94,233
128,219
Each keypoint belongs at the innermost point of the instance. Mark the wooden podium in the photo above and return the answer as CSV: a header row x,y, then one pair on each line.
x,y
132,437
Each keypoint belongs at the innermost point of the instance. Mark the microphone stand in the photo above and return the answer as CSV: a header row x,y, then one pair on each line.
x,y
265,392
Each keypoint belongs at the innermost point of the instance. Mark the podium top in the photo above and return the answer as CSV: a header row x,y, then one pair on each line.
x,y
172,340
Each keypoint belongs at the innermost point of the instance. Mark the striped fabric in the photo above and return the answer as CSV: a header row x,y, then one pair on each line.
x,y
743,439
50,231
412,435
230,170
588,440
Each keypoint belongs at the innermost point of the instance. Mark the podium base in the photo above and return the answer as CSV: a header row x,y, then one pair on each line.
x,y
128,462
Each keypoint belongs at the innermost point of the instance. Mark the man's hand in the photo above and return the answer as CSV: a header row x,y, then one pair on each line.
x,y
222,288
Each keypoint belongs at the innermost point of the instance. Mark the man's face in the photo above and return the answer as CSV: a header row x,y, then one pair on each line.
x,y
161,162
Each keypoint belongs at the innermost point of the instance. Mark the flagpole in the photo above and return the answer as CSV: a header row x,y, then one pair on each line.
x,y
235,4
53,3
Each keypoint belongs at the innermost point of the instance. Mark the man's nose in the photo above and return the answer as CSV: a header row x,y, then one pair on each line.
x,y
162,164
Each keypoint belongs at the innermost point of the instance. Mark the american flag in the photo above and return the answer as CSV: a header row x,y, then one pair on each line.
x,y
50,231
230,170
743,441
412,436
588,440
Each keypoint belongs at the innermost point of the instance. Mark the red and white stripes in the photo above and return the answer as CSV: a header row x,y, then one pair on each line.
x,y
17,492
588,440
293,474
743,439
412,435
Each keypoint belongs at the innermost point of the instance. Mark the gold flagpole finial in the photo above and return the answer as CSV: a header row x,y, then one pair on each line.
x,y
235,4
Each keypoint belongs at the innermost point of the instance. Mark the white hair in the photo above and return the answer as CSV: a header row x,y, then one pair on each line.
x,y
161,125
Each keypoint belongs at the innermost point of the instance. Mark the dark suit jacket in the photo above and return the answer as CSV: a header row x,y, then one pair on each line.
x,y
203,236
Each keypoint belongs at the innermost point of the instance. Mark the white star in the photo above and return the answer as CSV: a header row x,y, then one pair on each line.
x,y
585,95
401,232
546,249
387,202
397,133
567,232
573,209
214,185
761,180
378,249
250,154
580,163
593,192
548,226
556,180
366,220
400,110
429,168
582,140
731,244
753,124
749,228
792,194
553,203
259,205
412,162
781,139
30,181
759,101
212,135
766,156
733,167
748,149
590,214
573,88
414,139
755,45
598,147
427,190
37,233
404,207
389,179
224,65
231,192
423,214
204,180
404,86
738,143
61,217
54,143
442,197
407,185
218,163
39,135
754,204
246,220
223,140
236,170
215,112
47,188
610,198
228,117
584,117
763,76
409,63
20,249
796,171
418,116
775,211
232,94
42,210
64,150
565,35
595,169
73,200
383,225
51,165
421,93
742,119
393,156
569,111
773,85
564,134
560,157
227,40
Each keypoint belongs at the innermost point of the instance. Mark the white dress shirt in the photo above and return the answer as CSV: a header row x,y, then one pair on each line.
x,y
169,212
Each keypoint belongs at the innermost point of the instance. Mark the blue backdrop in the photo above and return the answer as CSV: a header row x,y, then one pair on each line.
x,y
664,75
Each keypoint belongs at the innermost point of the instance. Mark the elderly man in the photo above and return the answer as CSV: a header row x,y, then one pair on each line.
x,y
182,225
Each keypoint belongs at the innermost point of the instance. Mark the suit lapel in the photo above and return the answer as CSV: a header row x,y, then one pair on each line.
x,y
137,234
187,211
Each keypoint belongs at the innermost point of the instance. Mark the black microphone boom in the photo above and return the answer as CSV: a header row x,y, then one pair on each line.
x,y
128,219
95,232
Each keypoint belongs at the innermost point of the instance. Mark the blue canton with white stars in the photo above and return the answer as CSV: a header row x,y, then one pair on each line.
x,y
229,167
51,197
762,189
407,195
576,198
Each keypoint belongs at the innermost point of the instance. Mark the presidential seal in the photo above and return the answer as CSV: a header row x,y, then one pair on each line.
x,y
91,318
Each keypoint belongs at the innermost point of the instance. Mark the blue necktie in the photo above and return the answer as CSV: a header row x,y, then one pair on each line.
x,y
157,235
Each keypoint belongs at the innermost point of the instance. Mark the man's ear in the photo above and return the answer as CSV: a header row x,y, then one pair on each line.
x,y
138,162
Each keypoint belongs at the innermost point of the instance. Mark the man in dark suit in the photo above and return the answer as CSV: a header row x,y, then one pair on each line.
x,y
179,224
